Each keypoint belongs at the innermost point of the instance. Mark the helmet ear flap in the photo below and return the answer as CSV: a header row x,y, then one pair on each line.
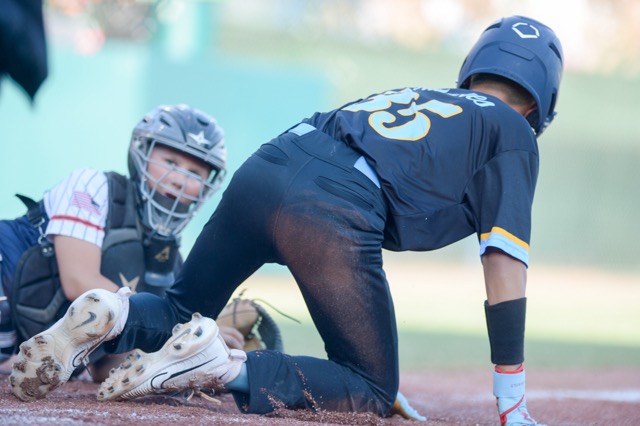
x,y
534,118
551,114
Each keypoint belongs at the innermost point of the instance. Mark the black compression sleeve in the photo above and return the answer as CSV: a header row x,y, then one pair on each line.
x,y
505,324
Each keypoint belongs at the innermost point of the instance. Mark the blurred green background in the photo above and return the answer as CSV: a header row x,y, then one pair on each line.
x,y
260,67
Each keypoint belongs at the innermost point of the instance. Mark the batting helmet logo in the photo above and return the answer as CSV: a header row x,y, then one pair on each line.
x,y
525,30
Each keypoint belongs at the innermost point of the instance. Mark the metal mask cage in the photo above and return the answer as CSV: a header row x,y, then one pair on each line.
x,y
167,215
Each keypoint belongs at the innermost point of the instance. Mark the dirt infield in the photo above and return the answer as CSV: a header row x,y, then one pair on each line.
x,y
606,397
581,389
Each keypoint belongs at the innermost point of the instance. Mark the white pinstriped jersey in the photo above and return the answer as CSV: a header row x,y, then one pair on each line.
x,y
78,206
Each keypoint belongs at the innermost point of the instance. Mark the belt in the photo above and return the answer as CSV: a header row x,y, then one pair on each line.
x,y
361,163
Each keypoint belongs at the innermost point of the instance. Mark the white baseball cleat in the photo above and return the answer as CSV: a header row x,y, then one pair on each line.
x,y
47,360
194,357
509,390
513,412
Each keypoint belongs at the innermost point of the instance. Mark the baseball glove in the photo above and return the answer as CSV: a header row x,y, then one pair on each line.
x,y
259,329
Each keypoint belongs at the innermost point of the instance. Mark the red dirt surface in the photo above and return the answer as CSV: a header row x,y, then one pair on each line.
x,y
602,397
599,396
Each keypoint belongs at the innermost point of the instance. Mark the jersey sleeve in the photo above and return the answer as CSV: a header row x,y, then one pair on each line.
x,y
501,198
78,206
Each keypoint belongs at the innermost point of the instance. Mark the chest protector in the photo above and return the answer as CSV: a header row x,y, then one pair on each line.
x,y
38,300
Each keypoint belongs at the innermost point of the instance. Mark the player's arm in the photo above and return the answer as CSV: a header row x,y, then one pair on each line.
x,y
79,266
505,281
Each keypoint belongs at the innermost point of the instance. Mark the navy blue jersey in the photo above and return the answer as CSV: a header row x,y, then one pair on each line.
x,y
451,162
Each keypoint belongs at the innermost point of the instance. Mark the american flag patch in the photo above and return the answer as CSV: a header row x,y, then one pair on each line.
x,y
84,201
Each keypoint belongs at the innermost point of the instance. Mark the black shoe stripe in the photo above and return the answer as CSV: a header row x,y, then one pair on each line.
x,y
85,353
179,373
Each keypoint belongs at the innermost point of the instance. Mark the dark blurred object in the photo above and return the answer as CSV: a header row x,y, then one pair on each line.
x,y
23,49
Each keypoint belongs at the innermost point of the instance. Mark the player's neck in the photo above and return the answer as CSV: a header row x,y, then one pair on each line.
x,y
489,89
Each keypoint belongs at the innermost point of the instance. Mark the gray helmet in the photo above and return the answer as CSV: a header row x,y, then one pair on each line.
x,y
189,131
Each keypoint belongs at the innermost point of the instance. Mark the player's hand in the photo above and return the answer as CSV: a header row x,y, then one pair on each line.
x,y
232,337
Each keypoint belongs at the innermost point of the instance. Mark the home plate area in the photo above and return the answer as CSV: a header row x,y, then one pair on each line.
x,y
564,397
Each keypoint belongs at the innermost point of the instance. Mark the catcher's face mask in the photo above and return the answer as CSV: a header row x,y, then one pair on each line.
x,y
170,192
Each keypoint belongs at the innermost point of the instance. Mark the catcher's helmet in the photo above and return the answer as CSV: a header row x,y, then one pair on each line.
x,y
525,51
189,131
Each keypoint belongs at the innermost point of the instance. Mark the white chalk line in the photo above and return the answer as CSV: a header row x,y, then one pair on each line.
x,y
617,395
631,395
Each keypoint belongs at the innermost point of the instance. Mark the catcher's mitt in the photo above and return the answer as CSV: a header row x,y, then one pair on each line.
x,y
259,329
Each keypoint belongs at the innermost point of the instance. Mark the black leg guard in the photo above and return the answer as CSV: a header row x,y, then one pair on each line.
x,y
505,324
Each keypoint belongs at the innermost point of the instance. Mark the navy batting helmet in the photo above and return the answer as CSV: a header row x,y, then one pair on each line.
x,y
525,51
191,132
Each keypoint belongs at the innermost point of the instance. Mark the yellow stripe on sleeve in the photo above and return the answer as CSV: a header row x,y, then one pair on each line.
x,y
506,234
